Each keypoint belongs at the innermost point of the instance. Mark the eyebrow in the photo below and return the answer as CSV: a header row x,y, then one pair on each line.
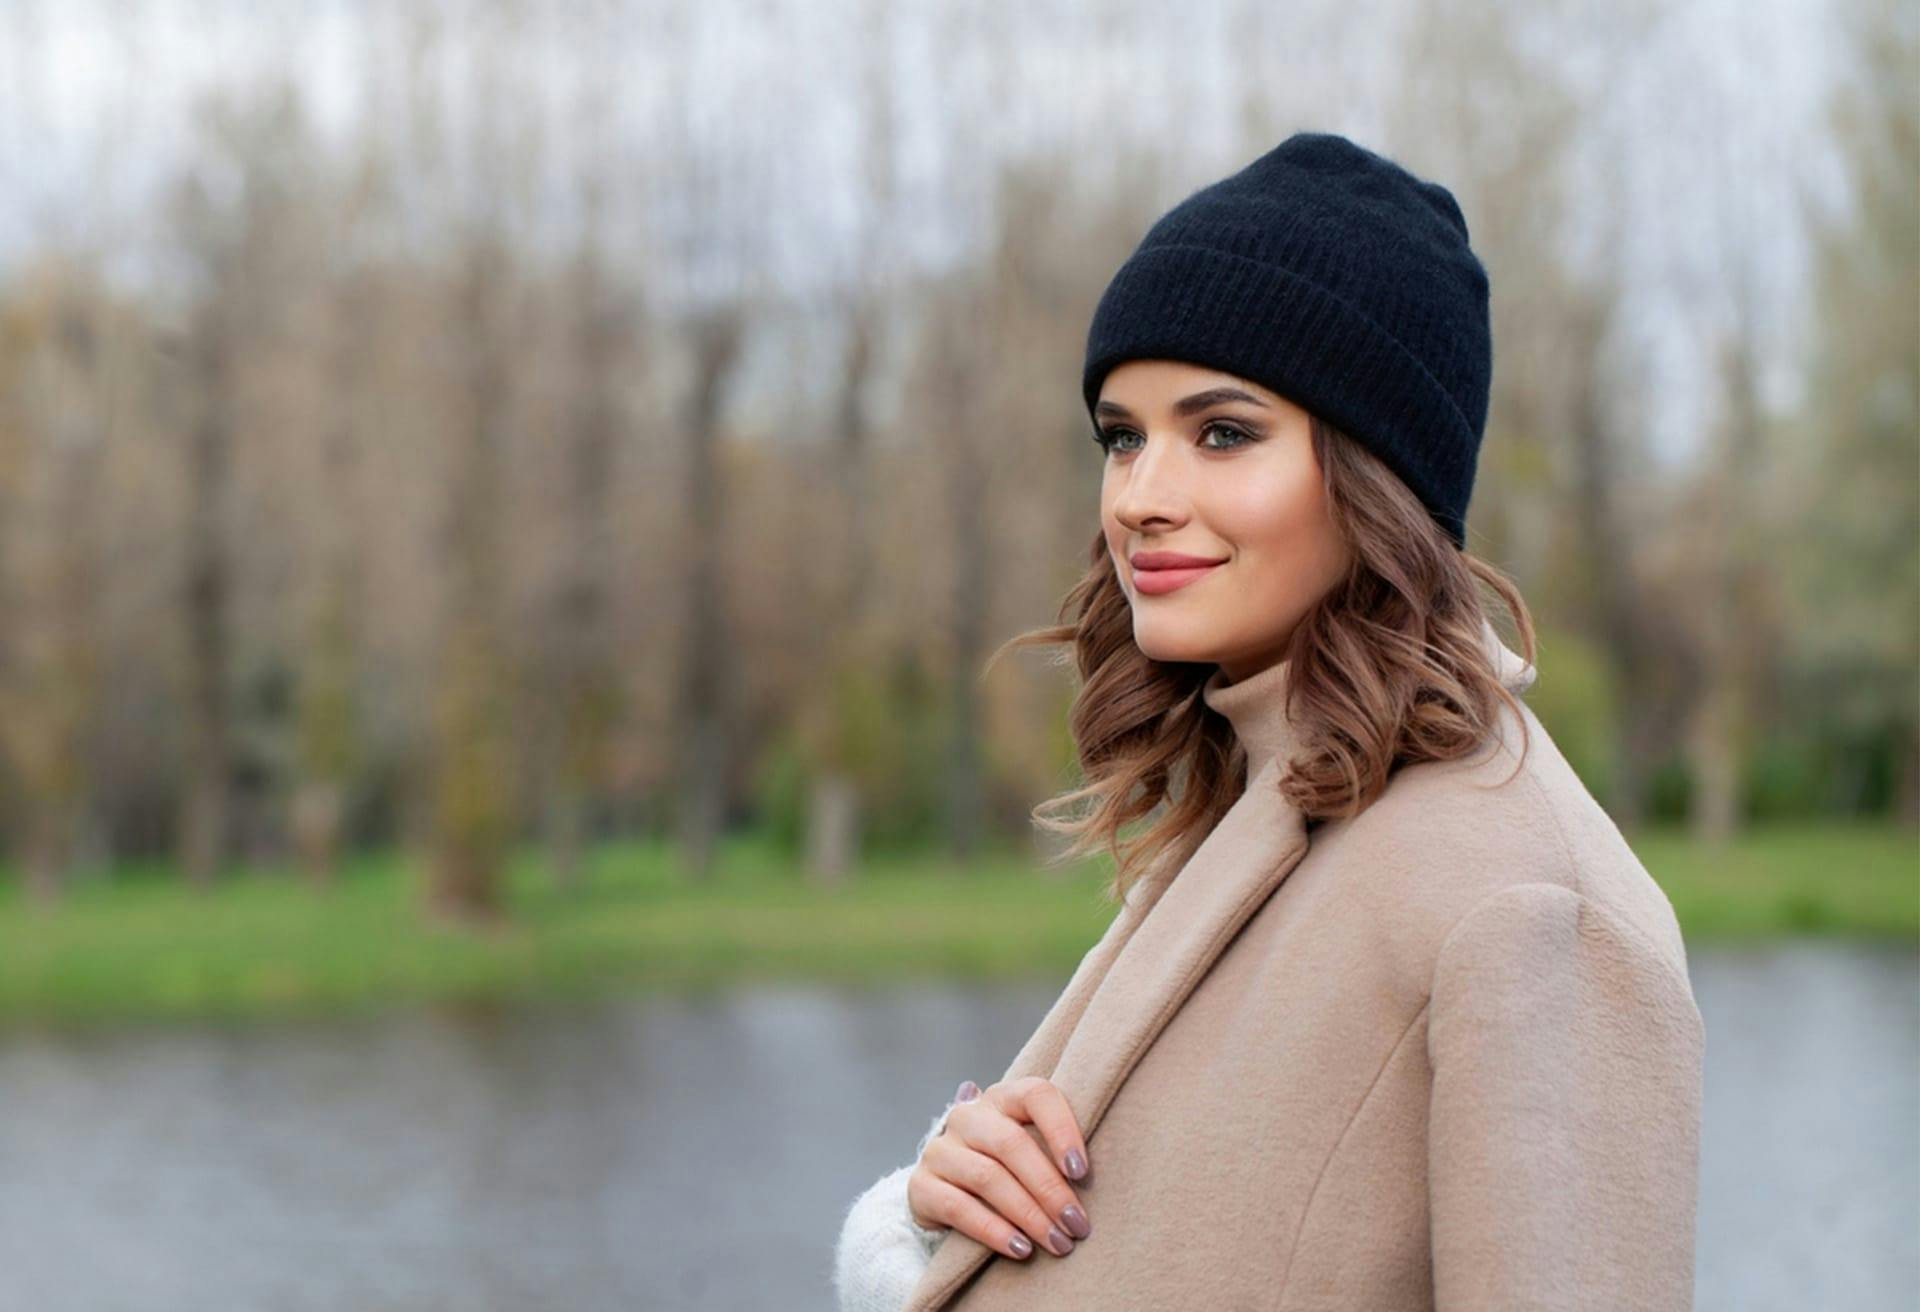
x,y
1191,405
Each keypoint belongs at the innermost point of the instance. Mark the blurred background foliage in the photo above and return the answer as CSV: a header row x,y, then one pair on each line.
x,y
518,462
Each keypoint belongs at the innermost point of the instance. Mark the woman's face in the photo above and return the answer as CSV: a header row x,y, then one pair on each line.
x,y
1210,465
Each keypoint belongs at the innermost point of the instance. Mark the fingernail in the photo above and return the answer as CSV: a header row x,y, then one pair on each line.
x,y
1020,1245
1076,1164
967,1091
1076,1221
1058,1242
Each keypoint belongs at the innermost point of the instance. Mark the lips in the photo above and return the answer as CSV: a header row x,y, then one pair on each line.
x,y
1158,572
1170,560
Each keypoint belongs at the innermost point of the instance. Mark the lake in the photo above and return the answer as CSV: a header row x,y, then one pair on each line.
x,y
698,1152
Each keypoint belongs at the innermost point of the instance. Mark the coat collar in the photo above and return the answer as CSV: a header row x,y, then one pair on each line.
x,y
1166,936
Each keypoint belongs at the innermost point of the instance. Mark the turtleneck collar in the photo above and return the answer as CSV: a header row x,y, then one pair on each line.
x,y
1256,706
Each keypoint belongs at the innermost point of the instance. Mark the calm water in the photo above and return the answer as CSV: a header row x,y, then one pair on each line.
x,y
698,1153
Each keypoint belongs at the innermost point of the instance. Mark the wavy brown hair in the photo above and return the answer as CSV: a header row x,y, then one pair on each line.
x,y
1388,671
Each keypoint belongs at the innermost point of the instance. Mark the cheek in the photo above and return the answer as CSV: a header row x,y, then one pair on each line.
x,y
1116,533
1277,512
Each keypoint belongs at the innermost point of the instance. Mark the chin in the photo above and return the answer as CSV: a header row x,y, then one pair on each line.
x,y
1175,651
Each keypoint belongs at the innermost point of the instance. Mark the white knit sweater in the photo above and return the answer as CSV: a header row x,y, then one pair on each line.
x,y
882,1249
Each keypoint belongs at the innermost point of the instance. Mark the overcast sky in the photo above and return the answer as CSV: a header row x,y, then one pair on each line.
x,y
96,96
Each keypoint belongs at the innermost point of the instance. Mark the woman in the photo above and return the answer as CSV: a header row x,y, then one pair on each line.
x,y
1390,1016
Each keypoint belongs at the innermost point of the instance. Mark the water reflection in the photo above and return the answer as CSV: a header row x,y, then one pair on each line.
x,y
1810,1144
697,1152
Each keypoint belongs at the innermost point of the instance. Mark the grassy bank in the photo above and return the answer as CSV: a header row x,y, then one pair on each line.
x,y
140,947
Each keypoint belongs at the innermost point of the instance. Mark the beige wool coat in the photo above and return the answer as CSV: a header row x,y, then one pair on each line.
x,y
1442,1055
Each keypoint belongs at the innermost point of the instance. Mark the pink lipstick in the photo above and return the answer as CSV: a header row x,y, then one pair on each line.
x,y
1158,572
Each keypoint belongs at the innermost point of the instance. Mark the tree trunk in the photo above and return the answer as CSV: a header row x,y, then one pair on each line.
x,y
583,638
707,664
473,807
207,798
833,829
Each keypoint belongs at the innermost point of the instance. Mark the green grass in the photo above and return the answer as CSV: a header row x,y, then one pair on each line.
x,y
140,947
1856,880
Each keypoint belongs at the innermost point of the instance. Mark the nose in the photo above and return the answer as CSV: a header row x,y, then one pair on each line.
x,y
1151,488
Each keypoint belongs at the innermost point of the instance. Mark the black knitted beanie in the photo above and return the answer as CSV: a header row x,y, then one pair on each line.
x,y
1338,279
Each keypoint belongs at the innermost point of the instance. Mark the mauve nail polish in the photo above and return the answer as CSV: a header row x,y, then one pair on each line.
x,y
1021,1245
1076,1220
1076,1164
1058,1242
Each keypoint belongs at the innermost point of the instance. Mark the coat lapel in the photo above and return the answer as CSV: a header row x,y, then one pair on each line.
x,y
1133,981
1138,975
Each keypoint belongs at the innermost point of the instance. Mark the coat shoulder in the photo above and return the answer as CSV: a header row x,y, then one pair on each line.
x,y
1445,835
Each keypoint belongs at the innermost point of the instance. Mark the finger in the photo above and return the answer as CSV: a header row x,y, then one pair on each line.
x,y
1010,1143
956,1208
1048,1109
987,1179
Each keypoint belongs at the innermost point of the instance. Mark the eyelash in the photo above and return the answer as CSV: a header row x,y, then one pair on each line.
x,y
1104,438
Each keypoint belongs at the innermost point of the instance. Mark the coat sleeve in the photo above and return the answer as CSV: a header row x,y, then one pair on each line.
x,y
1565,1120
882,1250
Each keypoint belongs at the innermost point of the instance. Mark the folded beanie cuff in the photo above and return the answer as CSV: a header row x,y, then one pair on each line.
x,y
1262,321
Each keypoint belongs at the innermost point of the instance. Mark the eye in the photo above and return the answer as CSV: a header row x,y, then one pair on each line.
x,y
1238,437
1112,439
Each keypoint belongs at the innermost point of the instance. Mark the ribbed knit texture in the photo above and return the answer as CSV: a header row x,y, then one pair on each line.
x,y
1336,278
882,1251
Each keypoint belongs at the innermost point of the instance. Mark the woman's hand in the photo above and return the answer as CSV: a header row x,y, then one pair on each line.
x,y
986,1176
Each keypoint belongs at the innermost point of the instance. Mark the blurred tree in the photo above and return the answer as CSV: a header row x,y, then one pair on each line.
x,y
718,276
1476,107
473,811
426,467
63,347
203,824
330,750
327,750
1730,530
580,650
837,801
1854,560
707,667
236,213
581,635
472,801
